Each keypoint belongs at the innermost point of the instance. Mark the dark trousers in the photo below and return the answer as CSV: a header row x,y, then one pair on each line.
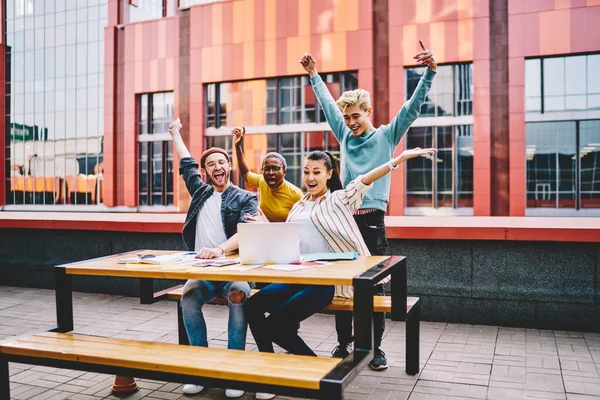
x,y
287,305
372,229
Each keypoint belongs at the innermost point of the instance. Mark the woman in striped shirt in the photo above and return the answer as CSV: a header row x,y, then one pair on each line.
x,y
326,226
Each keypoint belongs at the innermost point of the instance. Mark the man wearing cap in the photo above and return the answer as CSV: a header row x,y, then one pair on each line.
x,y
210,229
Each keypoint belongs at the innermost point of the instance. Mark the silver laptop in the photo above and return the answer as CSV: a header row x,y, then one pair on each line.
x,y
269,243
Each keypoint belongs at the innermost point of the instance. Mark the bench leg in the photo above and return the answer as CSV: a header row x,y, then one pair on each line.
x,y
181,332
412,341
4,380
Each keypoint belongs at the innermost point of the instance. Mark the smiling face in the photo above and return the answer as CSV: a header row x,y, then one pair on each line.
x,y
315,177
218,168
358,120
273,172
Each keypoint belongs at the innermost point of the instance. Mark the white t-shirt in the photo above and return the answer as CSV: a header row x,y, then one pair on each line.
x,y
209,224
311,240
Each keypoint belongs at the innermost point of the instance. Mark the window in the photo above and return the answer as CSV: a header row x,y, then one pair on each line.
x,y
155,155
555,84
288,100
143,10
563,164
445,181
451,92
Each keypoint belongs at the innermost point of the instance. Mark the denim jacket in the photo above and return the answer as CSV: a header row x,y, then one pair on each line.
x,y
235,204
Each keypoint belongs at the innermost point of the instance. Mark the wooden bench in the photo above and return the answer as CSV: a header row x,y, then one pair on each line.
x,y
380,304
213,367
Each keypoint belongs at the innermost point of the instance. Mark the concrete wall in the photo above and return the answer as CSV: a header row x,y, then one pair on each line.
x,y
546,285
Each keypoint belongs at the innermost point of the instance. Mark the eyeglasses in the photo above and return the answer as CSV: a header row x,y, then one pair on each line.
x,y
271,168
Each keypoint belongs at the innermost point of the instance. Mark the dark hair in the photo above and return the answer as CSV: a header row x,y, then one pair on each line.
x,y
334,182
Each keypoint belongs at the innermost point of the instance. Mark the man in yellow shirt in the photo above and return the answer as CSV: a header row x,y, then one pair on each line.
x,y
277,196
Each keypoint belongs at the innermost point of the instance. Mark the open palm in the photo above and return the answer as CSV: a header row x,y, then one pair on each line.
x,y
416,152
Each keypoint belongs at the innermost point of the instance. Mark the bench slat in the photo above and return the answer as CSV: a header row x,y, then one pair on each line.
x,y
244,366
380,303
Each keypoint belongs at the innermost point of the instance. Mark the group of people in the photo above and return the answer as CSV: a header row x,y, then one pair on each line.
x,y
358,196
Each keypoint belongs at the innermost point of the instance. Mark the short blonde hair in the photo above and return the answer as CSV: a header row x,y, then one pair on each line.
x,y
357,97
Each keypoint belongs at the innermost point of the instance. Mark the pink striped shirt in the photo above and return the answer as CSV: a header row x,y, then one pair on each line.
x,y
332,216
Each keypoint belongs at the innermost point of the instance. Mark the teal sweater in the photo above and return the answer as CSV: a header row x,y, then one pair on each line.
x,y
360,154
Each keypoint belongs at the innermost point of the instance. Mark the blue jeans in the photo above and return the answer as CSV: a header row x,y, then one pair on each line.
x,y
196,294
287,305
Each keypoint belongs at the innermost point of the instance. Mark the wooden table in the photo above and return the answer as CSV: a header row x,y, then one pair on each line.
x,y
362,273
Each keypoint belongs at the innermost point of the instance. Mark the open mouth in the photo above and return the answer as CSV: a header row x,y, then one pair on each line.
x,y
219,177
355,128
311,185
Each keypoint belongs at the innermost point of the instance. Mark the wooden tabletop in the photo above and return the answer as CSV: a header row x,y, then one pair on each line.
x,y
337,273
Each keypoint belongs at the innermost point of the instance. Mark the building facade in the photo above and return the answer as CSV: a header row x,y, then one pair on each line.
x,y
91,85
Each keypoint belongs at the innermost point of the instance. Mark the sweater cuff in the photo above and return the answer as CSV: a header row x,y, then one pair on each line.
x,y
315,80
429,75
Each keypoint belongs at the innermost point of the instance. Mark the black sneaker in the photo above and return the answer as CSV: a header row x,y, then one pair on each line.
x,y
379,361
341,350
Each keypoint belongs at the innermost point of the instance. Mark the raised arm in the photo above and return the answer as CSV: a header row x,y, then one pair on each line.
x,y
188,167
239,153
354,192
412,108
332,112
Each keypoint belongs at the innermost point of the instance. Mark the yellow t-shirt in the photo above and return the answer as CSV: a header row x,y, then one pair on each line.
x,y
275,203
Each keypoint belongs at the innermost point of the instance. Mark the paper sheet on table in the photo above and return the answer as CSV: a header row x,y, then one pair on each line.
x,y
296,267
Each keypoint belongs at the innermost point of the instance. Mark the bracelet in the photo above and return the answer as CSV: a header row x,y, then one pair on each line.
x,y
391,166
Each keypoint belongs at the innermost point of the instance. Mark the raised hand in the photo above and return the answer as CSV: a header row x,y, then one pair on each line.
x,y
416,152
175,126
425,57
259,217
309,64
239,135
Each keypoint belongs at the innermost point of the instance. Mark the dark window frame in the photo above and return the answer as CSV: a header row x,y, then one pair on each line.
x,y
167,197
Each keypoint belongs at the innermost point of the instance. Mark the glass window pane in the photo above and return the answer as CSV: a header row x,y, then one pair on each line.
x,y
419,187
550,152
554,84
464,166
533,86
444,166
589,155
464,89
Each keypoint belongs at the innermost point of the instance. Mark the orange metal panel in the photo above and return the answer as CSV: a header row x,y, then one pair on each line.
x,y
436,40
270,11
553,40
249,60
270,56
409,44
465,38
217,24
304,26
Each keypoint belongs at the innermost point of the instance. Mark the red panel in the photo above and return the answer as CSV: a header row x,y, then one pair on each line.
x,y
281,56
401,12
396,89
292,17
481,101
315,48
516,100
451,41
228,25
532,35
259,22
228,61
237,60
481,39
396,53
444,10
365,7
259,59
353,59
585,35
452,233
423,35
365,44
281,21
207,26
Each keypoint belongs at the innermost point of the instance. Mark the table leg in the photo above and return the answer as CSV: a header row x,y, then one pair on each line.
x,y
363,313
399,291
146,291
64,300
4,379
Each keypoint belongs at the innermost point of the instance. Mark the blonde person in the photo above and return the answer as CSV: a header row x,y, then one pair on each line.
x,y
364,147
277,196
326,225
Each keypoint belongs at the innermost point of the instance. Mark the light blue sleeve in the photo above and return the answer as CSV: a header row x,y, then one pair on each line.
x,y
332,111
410,110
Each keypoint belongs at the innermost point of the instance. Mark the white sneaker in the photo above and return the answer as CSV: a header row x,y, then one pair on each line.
x,y
192,389
264,396
233,393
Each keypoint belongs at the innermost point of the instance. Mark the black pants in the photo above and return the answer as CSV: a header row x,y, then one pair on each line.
x,y
372,229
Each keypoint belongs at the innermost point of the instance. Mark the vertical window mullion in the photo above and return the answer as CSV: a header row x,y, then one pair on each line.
x,y
164,173
541,85
577,167
434,191
454,166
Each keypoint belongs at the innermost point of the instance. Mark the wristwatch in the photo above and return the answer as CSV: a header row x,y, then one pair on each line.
x,y
391,166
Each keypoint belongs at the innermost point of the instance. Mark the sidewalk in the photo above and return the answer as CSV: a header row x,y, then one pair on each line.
x,y
457,361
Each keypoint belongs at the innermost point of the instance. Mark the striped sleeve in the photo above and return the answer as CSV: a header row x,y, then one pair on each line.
x,y
354,194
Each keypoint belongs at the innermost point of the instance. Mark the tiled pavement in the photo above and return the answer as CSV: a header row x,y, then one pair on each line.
x,y
457,361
